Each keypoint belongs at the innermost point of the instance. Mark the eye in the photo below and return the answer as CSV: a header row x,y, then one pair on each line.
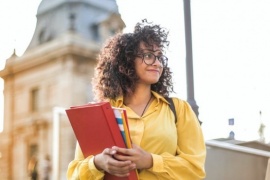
x,y
148,56
162,58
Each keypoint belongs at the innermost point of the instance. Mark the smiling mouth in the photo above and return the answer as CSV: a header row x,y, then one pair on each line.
x,y
154,70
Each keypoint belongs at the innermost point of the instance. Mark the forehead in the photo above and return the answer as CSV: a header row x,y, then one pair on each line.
x,y
154,47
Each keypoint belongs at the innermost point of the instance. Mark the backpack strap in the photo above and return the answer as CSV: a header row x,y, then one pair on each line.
x,y
172,107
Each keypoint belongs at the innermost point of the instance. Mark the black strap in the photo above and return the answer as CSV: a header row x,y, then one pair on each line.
x,y
172,107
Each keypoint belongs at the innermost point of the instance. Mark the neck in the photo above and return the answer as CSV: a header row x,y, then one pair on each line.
x,y
140,100
140,96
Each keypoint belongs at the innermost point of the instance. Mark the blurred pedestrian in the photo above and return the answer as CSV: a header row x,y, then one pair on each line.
x,y
32,168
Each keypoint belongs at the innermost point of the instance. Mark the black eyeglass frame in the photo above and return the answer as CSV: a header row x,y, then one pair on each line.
x,y
161,58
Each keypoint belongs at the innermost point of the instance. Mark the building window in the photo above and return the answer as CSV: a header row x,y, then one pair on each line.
x,y
44,36
95,32
112,32
35,100
41,37
33,149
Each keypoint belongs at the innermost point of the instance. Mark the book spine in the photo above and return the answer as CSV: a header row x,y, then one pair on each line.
x,y
126,128
120,122
108,111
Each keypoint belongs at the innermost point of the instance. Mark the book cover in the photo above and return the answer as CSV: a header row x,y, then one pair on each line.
x,y
96,128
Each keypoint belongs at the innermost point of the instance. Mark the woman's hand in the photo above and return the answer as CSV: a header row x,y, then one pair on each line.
x,y
137,155
106,161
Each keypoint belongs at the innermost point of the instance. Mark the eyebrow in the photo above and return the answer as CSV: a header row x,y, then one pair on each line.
x,y
151,50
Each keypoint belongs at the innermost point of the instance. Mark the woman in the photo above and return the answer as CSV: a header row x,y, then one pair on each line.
x,y
132,73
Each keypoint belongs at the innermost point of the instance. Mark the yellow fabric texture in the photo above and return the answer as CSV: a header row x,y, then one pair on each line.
x,y
178,150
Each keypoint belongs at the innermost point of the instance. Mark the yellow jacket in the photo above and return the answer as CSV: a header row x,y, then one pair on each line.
x,y
178,150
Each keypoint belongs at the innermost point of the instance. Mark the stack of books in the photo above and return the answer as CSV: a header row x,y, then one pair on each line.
x,y
98,126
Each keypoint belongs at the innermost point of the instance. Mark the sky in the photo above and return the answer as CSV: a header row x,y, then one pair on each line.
x,y
231,55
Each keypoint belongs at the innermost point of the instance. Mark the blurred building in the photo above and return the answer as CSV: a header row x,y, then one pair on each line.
x,y
55,71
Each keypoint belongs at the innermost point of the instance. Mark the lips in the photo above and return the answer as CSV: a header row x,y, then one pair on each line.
x,y
154,71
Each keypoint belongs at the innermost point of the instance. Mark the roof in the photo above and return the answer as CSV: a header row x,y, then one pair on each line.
x,y
109,5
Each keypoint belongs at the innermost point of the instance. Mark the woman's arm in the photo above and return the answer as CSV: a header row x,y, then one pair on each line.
x,y
93,167
191,151
83,168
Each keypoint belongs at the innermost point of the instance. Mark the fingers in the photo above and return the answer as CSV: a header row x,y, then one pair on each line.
x,y
120,167
101,160
137,155
125,151
108,163
109,151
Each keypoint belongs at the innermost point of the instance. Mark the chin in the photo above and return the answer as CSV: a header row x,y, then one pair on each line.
x,y
153,82
150,81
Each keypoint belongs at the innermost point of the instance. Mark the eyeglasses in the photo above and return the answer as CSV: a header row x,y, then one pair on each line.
x,y
149,58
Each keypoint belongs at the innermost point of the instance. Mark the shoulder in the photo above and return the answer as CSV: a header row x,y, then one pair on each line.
x,y
185,114
117,102
180,103
183,109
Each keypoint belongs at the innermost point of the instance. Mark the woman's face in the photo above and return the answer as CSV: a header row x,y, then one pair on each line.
x,y
148,67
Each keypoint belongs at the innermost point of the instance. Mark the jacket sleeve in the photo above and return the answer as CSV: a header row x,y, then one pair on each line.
x,y
83,168
188,163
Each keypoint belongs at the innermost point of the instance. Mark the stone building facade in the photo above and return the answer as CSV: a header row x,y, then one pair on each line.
x,y
55,71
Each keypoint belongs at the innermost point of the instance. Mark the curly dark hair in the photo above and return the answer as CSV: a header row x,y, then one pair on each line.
x,y
115,73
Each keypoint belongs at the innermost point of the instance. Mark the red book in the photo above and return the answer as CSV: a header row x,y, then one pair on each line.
x,y
96,128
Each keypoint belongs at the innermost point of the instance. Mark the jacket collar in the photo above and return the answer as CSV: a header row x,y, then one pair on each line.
x,y
119,101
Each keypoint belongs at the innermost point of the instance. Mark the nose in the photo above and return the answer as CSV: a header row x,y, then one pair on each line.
x,y
157,62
